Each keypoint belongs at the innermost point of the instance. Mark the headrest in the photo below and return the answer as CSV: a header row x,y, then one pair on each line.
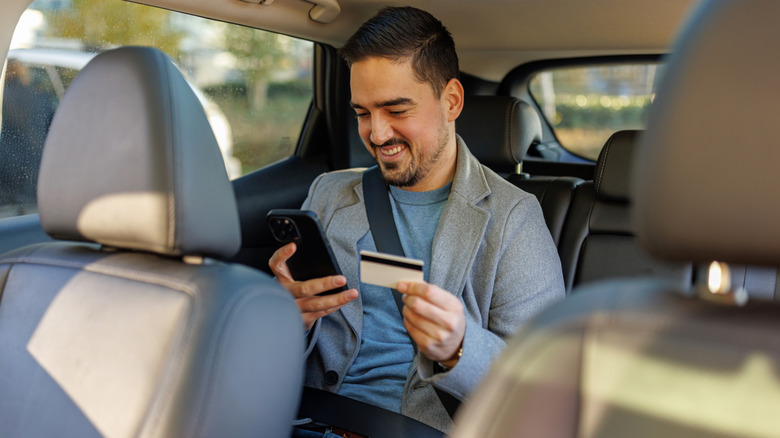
x,y
707,172
499,130
613,168
131,162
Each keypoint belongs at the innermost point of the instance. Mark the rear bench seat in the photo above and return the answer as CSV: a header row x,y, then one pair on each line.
x,y
590,221
598,240
498,131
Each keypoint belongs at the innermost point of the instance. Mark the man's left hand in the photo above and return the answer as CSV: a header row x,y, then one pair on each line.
x,y
435,320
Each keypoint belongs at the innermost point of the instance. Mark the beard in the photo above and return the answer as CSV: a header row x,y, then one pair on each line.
x,y
419,164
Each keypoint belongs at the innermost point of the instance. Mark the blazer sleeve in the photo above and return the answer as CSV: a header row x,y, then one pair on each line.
x,y
528,278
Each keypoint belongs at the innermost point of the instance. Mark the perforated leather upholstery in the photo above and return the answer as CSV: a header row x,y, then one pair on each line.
x,y
125,338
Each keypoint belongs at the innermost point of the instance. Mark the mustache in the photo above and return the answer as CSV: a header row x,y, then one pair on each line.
x,y
391,142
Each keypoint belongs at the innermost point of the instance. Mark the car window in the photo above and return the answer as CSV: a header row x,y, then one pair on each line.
x,y
585,105
255,86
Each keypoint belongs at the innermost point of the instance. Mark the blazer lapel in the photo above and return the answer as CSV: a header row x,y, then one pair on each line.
x,y
462,225
343,240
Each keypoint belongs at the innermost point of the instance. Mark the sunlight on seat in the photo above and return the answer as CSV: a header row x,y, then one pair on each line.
x,y
120,219
642,373
105,347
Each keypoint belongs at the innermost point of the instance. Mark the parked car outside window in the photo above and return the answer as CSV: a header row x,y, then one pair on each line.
x,y
254,85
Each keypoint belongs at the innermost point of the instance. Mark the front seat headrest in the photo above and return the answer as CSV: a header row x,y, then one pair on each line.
x,y
499,130
707,171
132,163
613,168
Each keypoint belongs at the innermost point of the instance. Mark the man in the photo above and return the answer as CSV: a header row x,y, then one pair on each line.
x,y
490,261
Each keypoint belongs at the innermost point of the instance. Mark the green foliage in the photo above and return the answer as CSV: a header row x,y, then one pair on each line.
x,y
257,52
100,24
268,134
602,112
295,89
583,123
260,55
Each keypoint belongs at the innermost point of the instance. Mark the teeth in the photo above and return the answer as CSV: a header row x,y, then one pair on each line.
x,y
392,151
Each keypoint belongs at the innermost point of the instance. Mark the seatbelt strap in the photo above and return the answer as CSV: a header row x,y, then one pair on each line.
x,y
380,217
385,233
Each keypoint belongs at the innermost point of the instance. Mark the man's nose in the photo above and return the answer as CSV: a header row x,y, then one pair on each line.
x,y
381,131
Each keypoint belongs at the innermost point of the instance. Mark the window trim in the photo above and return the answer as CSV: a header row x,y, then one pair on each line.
x,y
516,83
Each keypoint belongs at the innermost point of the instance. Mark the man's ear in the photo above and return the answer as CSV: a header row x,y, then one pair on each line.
x,y
452,99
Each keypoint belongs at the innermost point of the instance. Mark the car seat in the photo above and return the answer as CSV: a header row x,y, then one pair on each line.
x,y
130,325
499,130
598,239
642,358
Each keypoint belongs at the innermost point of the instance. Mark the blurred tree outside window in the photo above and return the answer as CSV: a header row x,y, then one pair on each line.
x,y
255,86
585,105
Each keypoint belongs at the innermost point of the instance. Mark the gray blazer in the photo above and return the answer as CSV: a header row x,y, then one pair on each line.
x,y
492,249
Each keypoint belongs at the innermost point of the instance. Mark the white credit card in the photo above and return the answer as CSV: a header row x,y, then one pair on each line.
x,y
387,270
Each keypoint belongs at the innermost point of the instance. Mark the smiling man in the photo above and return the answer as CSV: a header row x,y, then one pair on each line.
x,y
490,262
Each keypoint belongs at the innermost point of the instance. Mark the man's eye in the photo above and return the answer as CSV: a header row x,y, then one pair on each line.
x,y
397,112
361,115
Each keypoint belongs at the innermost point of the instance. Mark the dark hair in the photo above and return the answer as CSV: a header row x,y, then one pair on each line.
x,y
406,32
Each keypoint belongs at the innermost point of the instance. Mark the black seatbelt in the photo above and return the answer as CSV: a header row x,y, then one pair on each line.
x,y
385,233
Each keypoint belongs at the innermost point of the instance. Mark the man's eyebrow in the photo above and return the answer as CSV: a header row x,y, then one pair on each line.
x,y
392,102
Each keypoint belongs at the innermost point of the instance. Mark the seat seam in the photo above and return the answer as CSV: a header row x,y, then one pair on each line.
x,y
113,271
600,169
508,124
3,279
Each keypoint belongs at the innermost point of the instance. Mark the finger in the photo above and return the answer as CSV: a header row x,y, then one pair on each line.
x,y
434,342
432,331
431,347
329,303
425,309
315,286
311,316
431,293
278,262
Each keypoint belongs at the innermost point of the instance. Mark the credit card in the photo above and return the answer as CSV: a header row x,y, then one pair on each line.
x,y
387,270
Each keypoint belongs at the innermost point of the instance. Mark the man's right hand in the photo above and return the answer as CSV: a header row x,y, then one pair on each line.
x,y
312,307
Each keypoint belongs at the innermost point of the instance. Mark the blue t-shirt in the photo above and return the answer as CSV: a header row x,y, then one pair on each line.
x,y
378,374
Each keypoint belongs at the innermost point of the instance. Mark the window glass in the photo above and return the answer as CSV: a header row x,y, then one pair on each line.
x,y
255,86
585,105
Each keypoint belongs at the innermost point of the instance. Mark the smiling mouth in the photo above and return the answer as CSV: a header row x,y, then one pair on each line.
x,y
390,151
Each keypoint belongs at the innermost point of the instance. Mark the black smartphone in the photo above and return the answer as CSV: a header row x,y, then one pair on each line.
x,y
313,257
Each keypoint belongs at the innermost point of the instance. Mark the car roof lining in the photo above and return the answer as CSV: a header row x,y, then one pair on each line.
x,y
521,30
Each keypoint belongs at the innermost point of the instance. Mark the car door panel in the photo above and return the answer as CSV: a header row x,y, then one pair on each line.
x,y
281,185
19,231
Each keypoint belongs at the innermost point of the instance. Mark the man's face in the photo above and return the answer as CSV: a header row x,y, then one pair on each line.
x,y
404,126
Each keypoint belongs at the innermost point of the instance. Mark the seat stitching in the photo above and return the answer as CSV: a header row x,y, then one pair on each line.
x,y
114,271
508,124
600,169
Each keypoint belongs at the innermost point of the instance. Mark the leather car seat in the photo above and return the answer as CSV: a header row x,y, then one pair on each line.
x,y
598,239
641,358
131,325
499,130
